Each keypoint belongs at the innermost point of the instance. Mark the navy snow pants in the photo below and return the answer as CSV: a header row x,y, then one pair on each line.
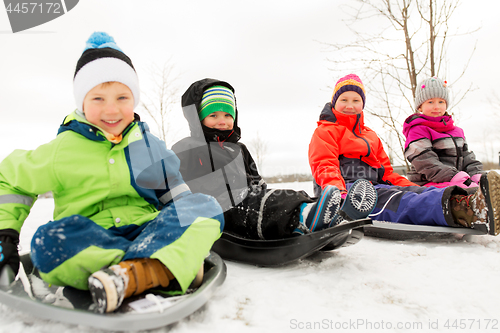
x,y
414,204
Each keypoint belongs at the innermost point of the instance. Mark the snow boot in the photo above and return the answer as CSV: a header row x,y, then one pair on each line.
x,y
325,213
482,207
107,290
198,280
318,215
359,202
110,286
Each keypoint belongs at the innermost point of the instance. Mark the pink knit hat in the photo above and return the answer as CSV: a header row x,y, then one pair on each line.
x,y
350,82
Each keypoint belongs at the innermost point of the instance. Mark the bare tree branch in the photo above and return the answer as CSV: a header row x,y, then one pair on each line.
x,y
162,100
259,148
411,42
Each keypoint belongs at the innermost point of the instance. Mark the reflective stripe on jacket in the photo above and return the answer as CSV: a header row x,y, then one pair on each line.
x,y
437,149
109,183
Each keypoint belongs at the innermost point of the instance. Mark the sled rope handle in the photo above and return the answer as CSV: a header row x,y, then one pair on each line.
x,y
153,298
385,205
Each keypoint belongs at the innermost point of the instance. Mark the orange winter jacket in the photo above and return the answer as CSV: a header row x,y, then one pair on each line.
x,y
343,149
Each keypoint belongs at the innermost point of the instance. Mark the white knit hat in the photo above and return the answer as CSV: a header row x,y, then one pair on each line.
x,y
103,61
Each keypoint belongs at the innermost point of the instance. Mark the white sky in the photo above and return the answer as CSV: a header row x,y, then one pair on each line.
x,y
270,51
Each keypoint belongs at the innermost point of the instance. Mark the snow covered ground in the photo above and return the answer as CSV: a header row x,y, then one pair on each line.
x,y
439,284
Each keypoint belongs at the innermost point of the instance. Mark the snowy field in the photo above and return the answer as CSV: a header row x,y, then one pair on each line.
x,y
439,284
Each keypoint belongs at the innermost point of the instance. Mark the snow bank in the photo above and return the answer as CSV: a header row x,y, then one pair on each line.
x,y
442,283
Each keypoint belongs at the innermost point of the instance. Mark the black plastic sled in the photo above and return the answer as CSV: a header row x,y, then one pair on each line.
x,y
402,231
282,251
30,294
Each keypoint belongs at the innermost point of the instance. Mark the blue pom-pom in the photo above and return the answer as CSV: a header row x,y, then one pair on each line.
x,y
99,40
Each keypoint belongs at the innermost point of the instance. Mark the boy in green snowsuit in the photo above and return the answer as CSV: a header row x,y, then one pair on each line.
x,y
124,220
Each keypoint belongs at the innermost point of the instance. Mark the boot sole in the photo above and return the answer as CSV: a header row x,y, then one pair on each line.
x,y
198,280
105,293
360,200
325,202
490,184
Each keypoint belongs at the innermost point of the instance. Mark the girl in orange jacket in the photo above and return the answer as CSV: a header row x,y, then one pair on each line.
x,y
343,149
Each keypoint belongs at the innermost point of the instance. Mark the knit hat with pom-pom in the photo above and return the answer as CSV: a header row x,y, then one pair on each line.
x,y
429,88
350,82
103,61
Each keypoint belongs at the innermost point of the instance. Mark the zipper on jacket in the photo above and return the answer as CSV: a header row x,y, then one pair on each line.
x,y
211,158
223,174
354,132
459,152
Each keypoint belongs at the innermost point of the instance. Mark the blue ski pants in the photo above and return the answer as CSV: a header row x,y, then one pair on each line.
x,y
67,251
414,205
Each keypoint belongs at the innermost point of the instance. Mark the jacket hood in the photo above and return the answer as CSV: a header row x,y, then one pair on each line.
x,y
351,121
191,101
439,124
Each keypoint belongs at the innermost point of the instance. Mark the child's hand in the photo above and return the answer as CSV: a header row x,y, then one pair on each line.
x,y
9,239
343,194
461,178
476,178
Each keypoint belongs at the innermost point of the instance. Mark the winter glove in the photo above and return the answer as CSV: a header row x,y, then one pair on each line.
x,y
461,179
9,239
343,194
476,178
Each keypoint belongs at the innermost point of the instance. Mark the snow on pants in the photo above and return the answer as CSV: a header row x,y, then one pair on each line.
x,y
69,250
266,214
414,205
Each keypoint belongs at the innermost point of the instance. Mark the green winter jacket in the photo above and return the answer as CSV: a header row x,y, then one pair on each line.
x,y
91,176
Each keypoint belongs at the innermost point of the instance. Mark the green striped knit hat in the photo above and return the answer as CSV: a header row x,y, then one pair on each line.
x,y
217,98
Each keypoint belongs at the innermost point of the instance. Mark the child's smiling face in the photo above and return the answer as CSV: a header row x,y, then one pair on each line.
x,y
434,107
349,102
219,120
109,106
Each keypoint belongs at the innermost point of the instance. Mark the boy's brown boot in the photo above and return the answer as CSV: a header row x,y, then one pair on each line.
x,y
482,207
143,274
110,286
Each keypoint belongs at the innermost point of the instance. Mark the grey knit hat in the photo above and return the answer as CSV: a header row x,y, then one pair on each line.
x,y
432,87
